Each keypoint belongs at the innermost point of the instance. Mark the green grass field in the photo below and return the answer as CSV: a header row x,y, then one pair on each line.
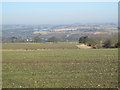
x,y
61,67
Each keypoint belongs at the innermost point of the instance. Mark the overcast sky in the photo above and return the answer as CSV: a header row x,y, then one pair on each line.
x,y
59,12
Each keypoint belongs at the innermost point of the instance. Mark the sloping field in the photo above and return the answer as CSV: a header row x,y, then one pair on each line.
x,y
61,68
35,46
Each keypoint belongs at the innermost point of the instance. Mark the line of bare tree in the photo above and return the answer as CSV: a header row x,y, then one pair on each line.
x,y
112,41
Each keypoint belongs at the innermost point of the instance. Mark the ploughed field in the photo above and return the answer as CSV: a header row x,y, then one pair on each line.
x,y
58,65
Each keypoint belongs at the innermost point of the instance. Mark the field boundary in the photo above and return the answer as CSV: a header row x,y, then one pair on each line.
x,y
25,49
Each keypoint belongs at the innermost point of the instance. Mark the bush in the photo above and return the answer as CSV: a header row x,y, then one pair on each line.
x,y
117,45
83,39
107,44
52,39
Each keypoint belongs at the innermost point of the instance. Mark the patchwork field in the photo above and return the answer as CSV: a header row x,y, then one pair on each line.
x,y
62,66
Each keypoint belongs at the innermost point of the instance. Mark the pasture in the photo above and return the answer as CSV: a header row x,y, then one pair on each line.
x,y
60,65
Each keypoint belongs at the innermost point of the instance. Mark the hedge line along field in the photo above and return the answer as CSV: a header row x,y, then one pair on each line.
x,y
59,68
33,46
